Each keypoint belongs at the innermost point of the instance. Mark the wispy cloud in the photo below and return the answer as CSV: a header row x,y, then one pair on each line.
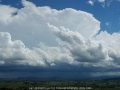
x,y
91,2
103,2
109,2
108,23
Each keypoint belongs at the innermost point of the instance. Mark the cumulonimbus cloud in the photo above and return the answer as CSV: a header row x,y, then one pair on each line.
x,y
65,37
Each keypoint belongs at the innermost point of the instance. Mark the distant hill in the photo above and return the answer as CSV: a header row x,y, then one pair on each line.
x,y
58,78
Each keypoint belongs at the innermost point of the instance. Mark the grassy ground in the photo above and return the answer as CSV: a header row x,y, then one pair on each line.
x,y
61,85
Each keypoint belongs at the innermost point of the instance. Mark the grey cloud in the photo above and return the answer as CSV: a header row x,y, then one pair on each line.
x,y
82,50
16,53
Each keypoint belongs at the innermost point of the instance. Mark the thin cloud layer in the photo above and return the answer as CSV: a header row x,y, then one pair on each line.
x,y
66,40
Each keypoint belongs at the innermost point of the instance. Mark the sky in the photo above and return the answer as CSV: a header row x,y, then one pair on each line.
x,y
59,38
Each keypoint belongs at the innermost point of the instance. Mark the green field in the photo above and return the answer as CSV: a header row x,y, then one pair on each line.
x,y
108,84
